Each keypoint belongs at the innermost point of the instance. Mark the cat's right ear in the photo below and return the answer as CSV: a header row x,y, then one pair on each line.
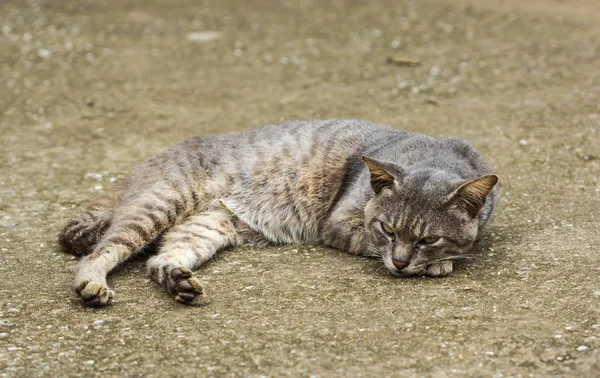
x,y
383,175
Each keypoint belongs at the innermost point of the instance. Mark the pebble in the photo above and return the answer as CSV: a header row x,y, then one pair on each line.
x,y
581,348
204,36
3,336
597,293
94,176
44,53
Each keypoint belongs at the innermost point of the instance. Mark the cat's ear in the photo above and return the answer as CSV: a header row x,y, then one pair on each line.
x,y
383,175
471,195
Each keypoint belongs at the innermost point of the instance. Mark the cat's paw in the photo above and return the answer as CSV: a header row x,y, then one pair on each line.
x,y
178,281
184,287
94,294
439,269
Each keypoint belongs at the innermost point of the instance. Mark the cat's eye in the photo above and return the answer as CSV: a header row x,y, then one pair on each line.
x,y
388,229
429,239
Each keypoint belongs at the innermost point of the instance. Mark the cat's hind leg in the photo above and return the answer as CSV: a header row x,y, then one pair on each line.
x,y
137,220
187,246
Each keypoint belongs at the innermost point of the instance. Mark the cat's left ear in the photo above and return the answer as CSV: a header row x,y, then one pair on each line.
x,y
471,195
383,175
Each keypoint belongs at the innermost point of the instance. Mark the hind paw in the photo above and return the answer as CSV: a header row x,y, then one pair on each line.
x,y
94,294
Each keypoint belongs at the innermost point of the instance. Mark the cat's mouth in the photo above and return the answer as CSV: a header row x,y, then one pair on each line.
x,y
400,268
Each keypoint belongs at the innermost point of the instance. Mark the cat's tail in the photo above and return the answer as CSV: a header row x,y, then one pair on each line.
x,y
82,233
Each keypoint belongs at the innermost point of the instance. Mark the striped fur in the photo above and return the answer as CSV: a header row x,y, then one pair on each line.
x,y
297,182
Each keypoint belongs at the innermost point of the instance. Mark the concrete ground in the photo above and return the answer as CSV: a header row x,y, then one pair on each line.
x,y
88,88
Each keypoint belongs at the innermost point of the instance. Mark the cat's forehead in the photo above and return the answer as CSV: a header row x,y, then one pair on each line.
x,y
426,206
428,183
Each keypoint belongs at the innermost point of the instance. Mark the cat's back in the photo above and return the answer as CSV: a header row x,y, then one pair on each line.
x,y
330,134
293,142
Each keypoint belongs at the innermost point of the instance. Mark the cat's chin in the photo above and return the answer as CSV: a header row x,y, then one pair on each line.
x,y
433,270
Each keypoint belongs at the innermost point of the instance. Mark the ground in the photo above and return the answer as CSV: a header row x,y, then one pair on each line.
x,y
88,88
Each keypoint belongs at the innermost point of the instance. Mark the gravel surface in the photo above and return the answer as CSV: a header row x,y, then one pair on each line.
x,y
88,88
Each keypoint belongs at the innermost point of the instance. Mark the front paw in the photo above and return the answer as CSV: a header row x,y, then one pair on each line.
x,y
439,269
184,287
94,294
178,281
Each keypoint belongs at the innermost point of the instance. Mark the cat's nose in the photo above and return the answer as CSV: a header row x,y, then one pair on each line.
x,y
400,264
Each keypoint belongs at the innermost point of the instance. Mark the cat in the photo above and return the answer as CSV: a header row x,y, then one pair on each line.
x,y
416,202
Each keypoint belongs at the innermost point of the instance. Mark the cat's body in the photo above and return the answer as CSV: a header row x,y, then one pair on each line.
x,y
297,182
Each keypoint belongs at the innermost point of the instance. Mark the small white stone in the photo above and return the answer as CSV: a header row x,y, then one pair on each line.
x,y
94,176
89,362
44,53
558,336
204,36
581,348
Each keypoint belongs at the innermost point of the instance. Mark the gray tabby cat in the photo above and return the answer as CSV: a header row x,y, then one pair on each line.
x,y
416,202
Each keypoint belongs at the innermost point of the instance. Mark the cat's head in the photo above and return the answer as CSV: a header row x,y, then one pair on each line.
x,y
419,222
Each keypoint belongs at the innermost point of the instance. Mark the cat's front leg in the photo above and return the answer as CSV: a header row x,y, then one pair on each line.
x,y
440,268
186,247
345,231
